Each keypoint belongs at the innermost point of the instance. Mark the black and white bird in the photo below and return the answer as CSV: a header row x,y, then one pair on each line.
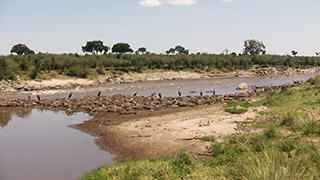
x,y
201,92
135,94
179,92
153,94
160,95
70,95
38,97
213,92
99,93
29,97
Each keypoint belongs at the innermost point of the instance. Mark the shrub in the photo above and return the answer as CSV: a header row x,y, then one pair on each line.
x,y
236,111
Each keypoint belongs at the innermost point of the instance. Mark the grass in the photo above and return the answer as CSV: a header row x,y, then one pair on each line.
x,y
285,149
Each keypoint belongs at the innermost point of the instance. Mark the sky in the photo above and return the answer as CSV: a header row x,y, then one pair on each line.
x,y
206,26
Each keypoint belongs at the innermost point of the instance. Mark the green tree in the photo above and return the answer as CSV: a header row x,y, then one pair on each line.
x,y
171,51
121,48
253,47
294,53
142,50
177,50
21,49
95,47
181,50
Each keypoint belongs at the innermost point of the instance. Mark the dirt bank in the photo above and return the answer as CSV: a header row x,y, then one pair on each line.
x,y
161,133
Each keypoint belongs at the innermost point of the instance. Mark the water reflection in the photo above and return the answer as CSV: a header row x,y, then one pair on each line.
x,y
37,144
6,115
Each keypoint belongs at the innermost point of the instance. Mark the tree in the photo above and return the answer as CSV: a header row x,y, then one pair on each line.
x,y
294,53
95,47
177,50
121,48
142,50
21,49
253,47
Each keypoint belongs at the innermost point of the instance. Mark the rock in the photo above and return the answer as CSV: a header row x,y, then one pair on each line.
x,y
242,86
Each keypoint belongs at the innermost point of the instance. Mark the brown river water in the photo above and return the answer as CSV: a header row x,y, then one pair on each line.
x,y
38,144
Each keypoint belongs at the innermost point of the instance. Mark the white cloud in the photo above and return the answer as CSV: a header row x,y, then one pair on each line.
x,y
182,2
150,3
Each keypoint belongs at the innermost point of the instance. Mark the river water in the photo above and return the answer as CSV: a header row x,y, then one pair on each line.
x,y
37,144
168,88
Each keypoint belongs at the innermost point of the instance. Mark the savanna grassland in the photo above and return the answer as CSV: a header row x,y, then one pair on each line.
x,y
47,66
281,142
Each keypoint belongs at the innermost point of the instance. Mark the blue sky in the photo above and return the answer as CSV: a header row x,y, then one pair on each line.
x,y
63,26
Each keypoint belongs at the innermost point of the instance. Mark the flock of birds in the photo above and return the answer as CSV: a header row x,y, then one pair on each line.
x,y
213,92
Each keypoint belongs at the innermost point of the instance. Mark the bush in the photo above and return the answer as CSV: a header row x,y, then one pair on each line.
x,y
236,111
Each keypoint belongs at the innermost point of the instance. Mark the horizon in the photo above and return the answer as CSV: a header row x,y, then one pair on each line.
x,y
59,27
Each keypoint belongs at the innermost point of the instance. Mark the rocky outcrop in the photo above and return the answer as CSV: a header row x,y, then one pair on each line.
x,y
243,86
13,86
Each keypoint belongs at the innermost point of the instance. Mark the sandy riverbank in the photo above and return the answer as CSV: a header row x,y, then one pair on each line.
x,y
163,132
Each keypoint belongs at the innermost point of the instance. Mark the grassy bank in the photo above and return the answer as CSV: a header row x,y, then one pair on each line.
x,y
281,143
32,66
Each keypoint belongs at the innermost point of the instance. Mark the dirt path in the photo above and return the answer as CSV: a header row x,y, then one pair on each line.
x,y
162,133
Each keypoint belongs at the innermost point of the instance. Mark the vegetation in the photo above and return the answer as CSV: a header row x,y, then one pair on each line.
x,y
95,47
122,48
286,146
254,47
90,65
21,49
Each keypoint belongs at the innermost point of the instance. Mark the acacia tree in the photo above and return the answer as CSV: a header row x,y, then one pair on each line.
x,y
121,48
142,50
253,47
177,50
294,53
95,47
21,49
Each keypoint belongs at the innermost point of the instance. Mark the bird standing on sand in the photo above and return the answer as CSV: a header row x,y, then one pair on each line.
x,y
160,95
213,92
38,96
201,92
70,95
179,92
29,97
153,94
135,94
99,93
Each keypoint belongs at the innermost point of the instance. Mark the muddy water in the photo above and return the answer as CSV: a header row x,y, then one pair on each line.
x,y
166,88
38,144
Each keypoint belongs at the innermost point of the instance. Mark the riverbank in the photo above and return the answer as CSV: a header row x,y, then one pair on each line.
x,y
282,140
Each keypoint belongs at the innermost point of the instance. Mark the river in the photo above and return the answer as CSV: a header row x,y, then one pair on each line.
x,y
38,144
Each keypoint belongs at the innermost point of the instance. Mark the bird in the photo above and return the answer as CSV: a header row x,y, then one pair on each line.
x,y
29,97
160,95
179,92
99,93
213,92
153,94
135,94
70,95
38,96
201,92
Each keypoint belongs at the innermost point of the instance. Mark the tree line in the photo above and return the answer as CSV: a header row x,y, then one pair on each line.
x,y
98,61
